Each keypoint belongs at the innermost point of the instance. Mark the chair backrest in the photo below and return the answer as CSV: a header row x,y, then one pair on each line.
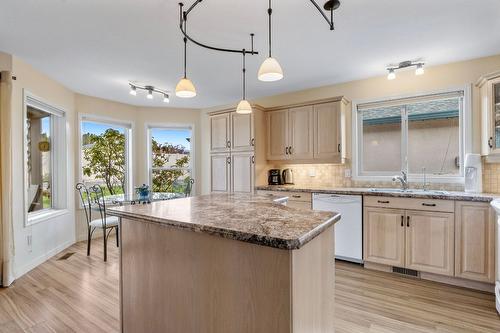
x,y
184,185
86,201
189,187
100,200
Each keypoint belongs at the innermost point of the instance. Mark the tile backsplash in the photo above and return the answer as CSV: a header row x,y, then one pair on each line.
x,y
491,177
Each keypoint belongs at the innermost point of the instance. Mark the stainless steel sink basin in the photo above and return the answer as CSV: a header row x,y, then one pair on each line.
x,y
409,191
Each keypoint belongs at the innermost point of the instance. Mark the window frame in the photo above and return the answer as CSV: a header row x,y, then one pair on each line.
x,y
129,130
58,160
465,132
149,157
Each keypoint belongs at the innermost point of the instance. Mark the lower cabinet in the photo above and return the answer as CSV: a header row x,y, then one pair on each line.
x,y
221,172
384,235
430,242
475,241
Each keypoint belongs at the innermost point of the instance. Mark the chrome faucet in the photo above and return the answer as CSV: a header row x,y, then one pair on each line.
x,y
403,179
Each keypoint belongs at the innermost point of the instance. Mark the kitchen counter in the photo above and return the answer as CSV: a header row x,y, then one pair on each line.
x,y
226,263
443,195
250,218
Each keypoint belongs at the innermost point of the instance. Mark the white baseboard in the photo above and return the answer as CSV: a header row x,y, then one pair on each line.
x,y
41,259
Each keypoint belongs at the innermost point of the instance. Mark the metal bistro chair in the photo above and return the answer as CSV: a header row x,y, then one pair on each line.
x,y
104,222
186,186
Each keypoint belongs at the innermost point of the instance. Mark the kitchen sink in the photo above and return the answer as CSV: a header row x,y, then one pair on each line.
x,y
409,191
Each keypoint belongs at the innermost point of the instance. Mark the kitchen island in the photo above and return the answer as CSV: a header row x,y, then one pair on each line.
x,y
226,263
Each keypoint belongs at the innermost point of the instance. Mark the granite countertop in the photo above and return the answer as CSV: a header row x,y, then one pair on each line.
x,y
443,195
252,218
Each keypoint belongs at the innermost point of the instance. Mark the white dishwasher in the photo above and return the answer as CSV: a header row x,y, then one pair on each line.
x,y
349,230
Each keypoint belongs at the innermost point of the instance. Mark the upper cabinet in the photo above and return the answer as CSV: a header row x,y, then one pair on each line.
x,y
314,132
231,132
219,133
489,87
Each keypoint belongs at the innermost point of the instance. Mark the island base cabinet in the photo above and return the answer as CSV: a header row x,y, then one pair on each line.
x,y
181,281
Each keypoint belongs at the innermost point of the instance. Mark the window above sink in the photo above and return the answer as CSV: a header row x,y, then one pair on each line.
x,y
417,134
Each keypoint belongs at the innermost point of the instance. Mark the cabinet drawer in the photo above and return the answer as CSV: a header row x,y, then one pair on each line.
x,y
292,196
434,205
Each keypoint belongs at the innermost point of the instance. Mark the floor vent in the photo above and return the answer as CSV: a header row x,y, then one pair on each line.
x,y
405,271
66,256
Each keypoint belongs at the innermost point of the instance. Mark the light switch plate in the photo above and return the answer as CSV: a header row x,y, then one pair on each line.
x,y
347,173
312,172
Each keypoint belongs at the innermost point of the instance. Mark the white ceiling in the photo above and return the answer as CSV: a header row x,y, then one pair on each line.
x,y
94,47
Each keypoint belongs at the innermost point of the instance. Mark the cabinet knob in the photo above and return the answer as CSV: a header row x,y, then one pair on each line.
x,y
490,142
408,221
228,160
290,150
402,221
286,150
338,148
252,142
253,159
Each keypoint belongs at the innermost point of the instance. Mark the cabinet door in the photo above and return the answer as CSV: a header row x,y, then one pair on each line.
x,y
242,132
327,131
219,133
384,236
474,241
430,242
301,133
277,135
242,172
495,109
220,170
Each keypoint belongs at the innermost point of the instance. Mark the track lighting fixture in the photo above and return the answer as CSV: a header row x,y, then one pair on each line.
x,y
150,90
405,64
270,70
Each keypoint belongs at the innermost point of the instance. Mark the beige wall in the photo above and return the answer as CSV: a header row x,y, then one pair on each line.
x,y
53,235
454,75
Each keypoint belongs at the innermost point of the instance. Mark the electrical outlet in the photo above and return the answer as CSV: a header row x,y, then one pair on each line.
x,y
347,173
29,239
312,173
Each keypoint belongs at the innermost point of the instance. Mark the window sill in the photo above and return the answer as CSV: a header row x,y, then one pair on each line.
x,y
38,217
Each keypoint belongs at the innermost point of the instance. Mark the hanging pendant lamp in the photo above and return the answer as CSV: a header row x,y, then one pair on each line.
x,y
244,106
270,70
185,88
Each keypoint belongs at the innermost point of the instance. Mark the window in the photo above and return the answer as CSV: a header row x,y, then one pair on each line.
x,y
170,159
416,135
44,158
104,155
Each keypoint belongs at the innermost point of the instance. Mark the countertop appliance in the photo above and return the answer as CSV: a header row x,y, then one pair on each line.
x,y
349,230
274,177
287,176
473,173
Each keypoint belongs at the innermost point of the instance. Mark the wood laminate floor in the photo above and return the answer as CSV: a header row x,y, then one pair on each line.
x,y
80,294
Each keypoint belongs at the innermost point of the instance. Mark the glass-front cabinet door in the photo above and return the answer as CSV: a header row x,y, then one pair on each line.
x,y
489,89
496,113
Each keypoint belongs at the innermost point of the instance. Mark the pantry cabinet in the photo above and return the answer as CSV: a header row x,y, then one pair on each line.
x,y
242,172
313,132
475,241
220,172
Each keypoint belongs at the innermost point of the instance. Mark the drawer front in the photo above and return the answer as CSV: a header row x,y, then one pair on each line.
x,y
434,205
292,196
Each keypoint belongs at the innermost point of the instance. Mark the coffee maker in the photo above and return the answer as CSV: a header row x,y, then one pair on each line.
x,y
274,177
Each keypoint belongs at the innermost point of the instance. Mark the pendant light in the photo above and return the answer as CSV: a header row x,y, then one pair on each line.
x,y
244,106
270,70
185,88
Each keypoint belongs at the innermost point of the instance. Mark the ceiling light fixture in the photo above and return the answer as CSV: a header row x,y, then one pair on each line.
x,y
405,64
185,88
270,70
244,106
150,89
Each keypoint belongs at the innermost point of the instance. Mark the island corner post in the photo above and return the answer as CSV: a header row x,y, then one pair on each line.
x,y
179,279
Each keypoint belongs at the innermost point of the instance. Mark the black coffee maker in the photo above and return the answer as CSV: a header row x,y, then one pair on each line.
x,y
274,177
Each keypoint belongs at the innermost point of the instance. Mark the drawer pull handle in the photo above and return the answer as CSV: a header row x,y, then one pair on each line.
x,y
402,221
381,201
428,205
408,221
296,196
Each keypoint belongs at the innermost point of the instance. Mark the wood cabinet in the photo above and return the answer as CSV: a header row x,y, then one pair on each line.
x,y
220,133
430,242
475,241
221,172
300,133
242,133
489,89
327,131
277,133
312,132
384,236
242,172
